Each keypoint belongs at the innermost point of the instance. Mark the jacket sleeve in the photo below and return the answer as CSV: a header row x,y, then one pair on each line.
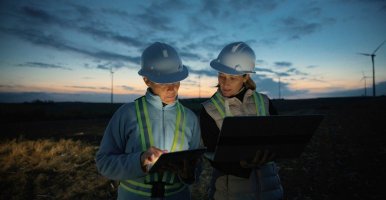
x,y
111,159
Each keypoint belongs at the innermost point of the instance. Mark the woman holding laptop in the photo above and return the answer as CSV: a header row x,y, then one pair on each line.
x,y
236,96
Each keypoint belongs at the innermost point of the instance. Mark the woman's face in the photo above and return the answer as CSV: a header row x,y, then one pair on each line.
x,y
230,85
167,92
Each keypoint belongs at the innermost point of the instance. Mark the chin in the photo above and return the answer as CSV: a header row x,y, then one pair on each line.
x,y
227,94
169,101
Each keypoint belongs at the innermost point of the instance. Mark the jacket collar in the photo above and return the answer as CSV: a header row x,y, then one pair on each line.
x,y
155,100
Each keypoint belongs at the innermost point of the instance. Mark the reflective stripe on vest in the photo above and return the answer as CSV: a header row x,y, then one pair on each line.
x,y
219,103
259,102
146,137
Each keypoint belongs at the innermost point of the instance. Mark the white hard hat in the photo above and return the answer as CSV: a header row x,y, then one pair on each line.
x,y
236,58
161,63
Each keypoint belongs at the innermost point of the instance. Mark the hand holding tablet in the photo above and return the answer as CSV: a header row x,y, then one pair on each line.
x,y
174,161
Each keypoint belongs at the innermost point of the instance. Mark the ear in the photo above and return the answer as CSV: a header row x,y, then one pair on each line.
x,y
147,81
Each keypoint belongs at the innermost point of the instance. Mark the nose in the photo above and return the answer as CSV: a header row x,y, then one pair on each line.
x,y
226,81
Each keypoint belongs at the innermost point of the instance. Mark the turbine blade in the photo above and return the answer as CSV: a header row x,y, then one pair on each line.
x,y
365,54
379,47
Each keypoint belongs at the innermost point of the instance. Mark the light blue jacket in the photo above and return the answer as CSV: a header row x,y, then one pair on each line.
x,y
118,157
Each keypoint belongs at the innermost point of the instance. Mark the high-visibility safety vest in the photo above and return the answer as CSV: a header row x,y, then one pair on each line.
x,y
219,103
172,183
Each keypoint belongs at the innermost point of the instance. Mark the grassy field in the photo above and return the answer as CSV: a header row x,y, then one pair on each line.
x,y
47,151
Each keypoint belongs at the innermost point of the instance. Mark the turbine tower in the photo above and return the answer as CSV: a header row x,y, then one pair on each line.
x,y
279,87
372,60
199,86
112,83
364,77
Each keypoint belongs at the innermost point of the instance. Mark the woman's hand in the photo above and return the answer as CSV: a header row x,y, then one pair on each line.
x,y
150,156
261,158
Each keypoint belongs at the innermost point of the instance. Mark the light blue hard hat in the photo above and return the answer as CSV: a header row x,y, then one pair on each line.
x,y
161,63
236,58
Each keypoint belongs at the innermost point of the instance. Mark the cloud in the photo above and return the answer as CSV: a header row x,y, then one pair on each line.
x,y
115,12
38,14
15,86
283,64
189,56
37,25
88,87
213,7
264,70
261,5
58,43
270,87
383,8
297,28
154,21
204,72
20,97
220,9
90,28
296,72
282,74
125,87
42,65
108,35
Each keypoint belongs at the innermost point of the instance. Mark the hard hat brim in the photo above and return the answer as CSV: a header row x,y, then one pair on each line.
x,y
226,69
166,78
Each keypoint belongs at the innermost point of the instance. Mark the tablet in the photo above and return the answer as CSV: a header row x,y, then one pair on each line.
x,y
176,157
285,136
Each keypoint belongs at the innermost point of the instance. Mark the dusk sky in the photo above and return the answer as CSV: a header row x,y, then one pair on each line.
x,y
64,50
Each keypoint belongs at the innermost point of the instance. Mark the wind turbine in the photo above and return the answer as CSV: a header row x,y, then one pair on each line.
x,y
199,86
372,60
364,77
112,82
279,86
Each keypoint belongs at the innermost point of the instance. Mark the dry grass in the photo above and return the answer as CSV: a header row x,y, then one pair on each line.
x,y
47,169
64,169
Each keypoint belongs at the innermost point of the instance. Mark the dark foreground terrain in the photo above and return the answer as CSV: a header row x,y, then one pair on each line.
x,y
47,150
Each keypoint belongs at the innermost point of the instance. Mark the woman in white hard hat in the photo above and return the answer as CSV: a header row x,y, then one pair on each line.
x,y
139,132
236,96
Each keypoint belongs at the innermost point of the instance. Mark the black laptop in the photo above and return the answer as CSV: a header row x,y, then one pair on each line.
x,y
286,136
